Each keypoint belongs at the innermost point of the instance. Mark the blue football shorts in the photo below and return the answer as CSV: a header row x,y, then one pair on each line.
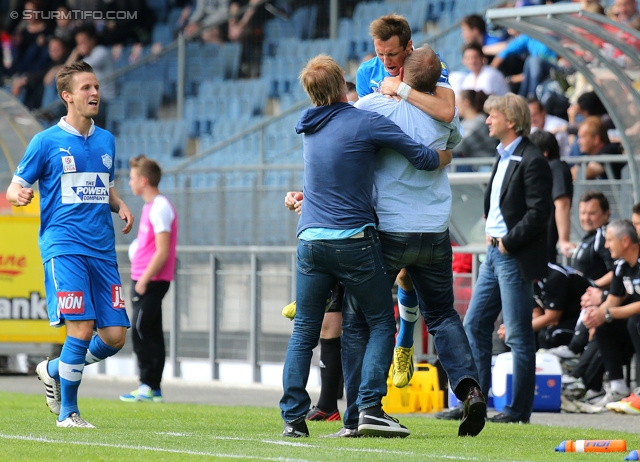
x,y
84,288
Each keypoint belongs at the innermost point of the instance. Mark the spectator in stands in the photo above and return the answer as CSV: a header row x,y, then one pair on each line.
x,y
474,30
540,120
99,57
620,313
30,87
537,65
481,76
585,105
30,53
635,217
208,13
476,141
594,140
65,25
330,226
127,29
248,30
517,206
625,11
559,228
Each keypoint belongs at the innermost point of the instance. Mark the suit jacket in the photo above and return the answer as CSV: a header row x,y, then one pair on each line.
x,y
526,204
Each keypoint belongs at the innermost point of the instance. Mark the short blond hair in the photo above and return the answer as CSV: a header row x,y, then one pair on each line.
x,y
514,108
323,80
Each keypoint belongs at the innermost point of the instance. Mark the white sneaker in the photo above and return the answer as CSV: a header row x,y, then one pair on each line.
x,y
568,379
569,405
563,352
601,405
74,420
51,387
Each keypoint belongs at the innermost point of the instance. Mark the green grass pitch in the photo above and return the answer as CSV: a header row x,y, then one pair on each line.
x,y
179,432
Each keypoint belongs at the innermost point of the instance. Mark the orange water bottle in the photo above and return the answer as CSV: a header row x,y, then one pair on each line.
x,y
592,446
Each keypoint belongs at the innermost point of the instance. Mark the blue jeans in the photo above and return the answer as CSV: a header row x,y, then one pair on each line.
x,y
536,70
501,287
427,258
359,265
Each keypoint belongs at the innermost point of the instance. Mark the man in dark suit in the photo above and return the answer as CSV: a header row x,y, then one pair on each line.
x,y
517,206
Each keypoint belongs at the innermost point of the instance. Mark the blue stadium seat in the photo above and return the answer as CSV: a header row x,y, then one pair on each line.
x,y
304,22
162,33
137,108
231,59
116,113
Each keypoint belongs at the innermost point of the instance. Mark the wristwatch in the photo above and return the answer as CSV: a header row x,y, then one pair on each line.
x,y
607,316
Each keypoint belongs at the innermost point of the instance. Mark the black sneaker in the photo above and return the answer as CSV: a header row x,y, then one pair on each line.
x,y
374,422
296,429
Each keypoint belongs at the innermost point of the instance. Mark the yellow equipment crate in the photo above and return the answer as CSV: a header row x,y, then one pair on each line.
x,y
422,394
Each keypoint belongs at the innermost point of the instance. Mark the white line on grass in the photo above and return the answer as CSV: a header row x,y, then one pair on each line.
x,y
146,448
300,444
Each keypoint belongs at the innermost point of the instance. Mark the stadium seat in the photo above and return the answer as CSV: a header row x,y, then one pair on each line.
x,y
162,33
116,114
231,59
304,21
137,108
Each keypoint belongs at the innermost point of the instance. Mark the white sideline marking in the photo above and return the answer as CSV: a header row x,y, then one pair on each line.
x,y
147,448
300,444
231,456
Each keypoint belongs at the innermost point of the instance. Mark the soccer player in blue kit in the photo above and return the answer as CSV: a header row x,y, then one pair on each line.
x,y
383,74
73,161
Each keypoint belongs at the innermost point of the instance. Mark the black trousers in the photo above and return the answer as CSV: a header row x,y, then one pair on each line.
x,y
147,333
615,346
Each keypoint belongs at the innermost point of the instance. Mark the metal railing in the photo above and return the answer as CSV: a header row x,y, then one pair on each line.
x,y
226,303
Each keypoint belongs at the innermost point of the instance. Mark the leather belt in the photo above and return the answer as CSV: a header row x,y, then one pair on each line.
x,y
495,242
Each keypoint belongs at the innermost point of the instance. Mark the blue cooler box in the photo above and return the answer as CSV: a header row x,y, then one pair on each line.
x,y
548,382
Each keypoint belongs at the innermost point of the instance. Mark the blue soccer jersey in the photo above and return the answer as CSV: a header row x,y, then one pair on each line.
x,y
74,176
371,74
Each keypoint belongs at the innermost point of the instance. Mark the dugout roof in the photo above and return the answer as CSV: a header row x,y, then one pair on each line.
x,y
17,127
605,52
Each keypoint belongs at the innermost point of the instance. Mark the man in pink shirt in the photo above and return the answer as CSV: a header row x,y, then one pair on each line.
x,y
153,265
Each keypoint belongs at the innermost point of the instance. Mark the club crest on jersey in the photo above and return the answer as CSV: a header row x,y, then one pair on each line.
x,y
71,302
628,285
117,296
68,164
107,161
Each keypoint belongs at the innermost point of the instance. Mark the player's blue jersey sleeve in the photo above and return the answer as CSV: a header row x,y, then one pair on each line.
x,y
364,81
33,164
444,75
